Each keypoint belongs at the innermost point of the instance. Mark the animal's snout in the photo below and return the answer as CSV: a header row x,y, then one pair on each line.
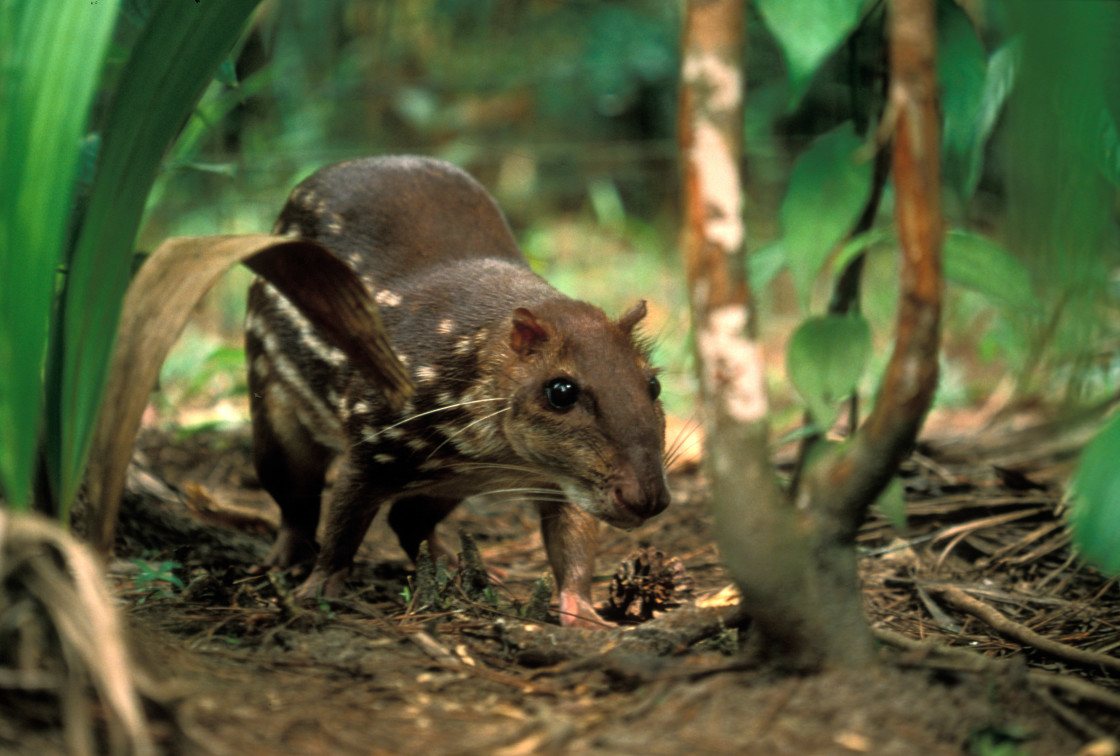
x,y
640,496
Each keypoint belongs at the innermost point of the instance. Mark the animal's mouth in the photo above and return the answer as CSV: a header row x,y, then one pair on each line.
x,y
616,504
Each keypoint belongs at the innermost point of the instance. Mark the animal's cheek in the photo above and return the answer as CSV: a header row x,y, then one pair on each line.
x,y
563,449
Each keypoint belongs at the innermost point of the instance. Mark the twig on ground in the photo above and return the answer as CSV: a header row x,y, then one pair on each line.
x,y
1021,633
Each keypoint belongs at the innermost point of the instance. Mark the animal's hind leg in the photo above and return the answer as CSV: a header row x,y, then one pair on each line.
x,y
292,467
356,497
414,521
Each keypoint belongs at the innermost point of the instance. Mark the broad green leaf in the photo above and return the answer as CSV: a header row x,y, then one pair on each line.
x,y
764,264
825,359
827,191
1109,148
892,503
961,73
180,46
982,265
1002,71
50,61
1095,517
861,243
808,31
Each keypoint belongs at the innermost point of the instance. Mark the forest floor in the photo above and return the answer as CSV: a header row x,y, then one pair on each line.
x,y
242,670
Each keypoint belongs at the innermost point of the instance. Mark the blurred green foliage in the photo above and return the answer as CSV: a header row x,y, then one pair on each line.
x,y
566,112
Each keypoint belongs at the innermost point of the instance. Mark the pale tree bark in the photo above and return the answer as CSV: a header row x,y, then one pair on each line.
x,y
794,559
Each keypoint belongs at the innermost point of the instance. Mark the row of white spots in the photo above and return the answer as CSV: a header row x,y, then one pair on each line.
x,y
387,298
463,346
332,223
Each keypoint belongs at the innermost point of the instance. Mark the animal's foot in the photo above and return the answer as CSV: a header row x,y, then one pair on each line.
x,y
577,611
321,584
291,549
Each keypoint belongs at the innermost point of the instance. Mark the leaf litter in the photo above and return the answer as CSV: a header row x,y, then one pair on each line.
x,y
245,670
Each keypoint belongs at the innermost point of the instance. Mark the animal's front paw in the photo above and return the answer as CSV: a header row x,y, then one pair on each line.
x,y
577,611
321,584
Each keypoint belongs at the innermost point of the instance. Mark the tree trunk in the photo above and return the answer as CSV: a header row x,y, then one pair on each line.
x,y
794,559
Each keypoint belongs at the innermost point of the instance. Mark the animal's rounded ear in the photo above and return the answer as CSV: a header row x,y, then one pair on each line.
x,y
527,333
631,317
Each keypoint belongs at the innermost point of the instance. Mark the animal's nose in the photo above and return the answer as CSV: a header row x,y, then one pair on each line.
x,y
644,498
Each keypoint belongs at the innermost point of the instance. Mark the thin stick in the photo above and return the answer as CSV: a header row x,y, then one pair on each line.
x,y
1021,633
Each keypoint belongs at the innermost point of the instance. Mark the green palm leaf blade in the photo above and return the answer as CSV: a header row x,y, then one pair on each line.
x,y
179,48
48,78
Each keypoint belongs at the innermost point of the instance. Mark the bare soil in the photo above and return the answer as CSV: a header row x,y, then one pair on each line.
x,y
243,670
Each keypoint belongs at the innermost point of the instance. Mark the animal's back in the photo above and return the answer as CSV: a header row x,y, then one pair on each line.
x,y
394,216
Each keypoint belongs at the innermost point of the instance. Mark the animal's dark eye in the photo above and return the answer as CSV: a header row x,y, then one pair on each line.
x,y
561,393
654,388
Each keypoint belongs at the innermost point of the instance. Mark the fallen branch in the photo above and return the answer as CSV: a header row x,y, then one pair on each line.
x,y
1008,627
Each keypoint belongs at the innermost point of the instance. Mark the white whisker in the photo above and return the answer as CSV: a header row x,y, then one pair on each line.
x,y
464,429
410,418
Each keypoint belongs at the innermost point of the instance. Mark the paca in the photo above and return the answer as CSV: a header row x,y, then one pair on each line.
x,y
521,392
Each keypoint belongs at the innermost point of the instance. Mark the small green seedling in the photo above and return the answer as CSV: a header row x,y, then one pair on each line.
x,y
154,579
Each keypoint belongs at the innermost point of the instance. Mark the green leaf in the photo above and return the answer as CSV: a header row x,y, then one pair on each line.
x,y
892,503
1002,71
827,191
982,265
1109,148
961,72
764,264
861,243
175,56
1095,517
50,60
808,31
825,359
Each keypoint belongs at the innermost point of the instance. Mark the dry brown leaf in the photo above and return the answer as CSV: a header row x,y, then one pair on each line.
x,y
158,304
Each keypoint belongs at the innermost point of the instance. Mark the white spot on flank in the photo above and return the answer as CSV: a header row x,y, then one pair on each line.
x,y
261,366
387,298
733,368
718,178
446,326
425,373
254,324
385,459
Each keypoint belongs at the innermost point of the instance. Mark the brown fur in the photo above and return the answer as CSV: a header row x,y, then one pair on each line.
x,y
484,339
